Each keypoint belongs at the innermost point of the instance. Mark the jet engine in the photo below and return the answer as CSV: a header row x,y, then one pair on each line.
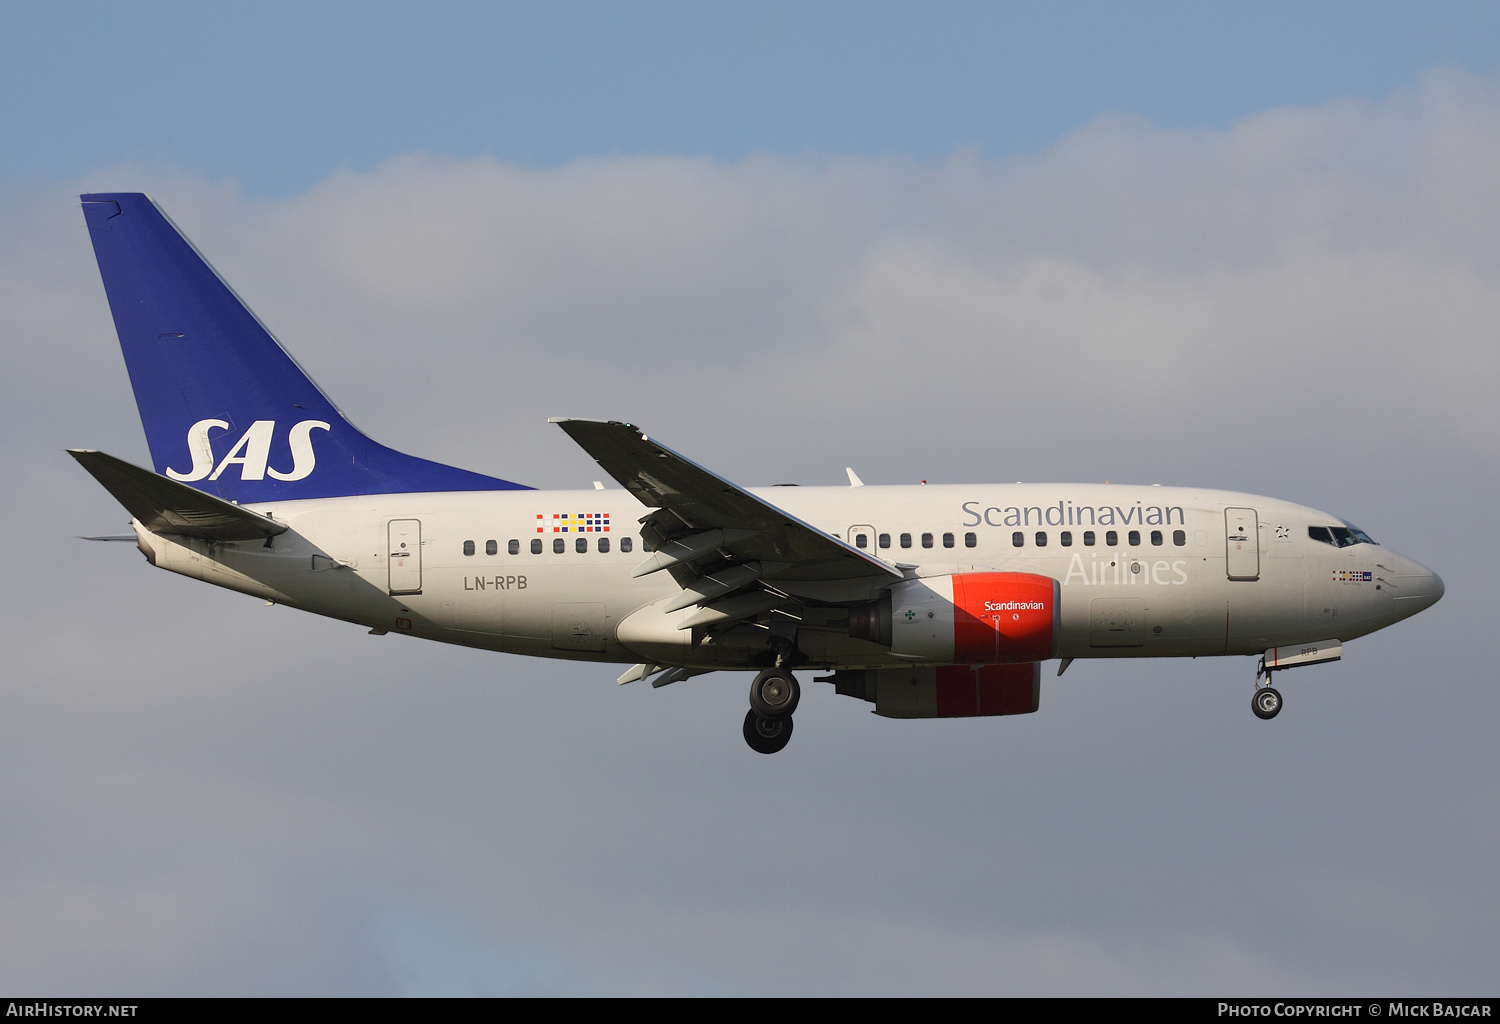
x,y
975,618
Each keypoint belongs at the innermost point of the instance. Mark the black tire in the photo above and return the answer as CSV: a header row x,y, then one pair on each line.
x,y
775,693
767,735
1267,703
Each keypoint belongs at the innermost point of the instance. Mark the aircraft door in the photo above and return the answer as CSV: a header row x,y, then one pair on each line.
x,y
1242,543
863,537
405,539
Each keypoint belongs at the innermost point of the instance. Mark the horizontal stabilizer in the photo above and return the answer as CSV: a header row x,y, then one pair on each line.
x,y
162,505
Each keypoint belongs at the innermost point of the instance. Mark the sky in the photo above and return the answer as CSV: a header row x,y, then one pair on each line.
x,y
1250,247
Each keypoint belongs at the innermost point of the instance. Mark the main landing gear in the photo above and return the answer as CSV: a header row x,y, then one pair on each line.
x,y
1267,700
773,697
767,735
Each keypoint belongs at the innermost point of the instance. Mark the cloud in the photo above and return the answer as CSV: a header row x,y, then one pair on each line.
x,y
200,794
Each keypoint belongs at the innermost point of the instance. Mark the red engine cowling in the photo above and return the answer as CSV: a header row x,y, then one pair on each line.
x,y
976,618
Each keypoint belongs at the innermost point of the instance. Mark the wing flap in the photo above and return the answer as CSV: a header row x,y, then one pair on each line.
x,y
714,585
163,505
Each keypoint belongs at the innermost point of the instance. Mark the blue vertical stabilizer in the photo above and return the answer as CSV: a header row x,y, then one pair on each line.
x,y
226,410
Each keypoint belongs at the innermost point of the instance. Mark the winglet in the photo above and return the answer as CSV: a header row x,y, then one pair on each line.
x,y
854,480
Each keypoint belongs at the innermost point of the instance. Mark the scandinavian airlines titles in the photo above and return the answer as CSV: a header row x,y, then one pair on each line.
x,y
1065,513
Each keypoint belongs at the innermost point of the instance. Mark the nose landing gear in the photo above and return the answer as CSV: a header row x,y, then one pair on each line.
x,y
773,697
1267,700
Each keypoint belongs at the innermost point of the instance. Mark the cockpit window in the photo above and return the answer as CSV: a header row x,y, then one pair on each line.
x,y
1339,536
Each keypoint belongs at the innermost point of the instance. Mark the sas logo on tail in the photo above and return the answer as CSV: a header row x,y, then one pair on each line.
x,y
251,452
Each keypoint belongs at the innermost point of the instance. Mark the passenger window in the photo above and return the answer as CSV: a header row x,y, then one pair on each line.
x,y
1041,539
1065,538
947,540
906,540
861,541
468,547
514,547
581,545
885,540
1135,538
927,540
1156,538
1111,538
536,546
1088,538
1018,539
491,547
971,540
604,545
626,543
558,547
1179,537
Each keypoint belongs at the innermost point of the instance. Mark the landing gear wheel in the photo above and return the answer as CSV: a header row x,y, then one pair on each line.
x,y
774,694
1267,703
767,735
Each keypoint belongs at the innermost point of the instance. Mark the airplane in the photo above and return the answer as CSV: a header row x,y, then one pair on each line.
x,y
938,601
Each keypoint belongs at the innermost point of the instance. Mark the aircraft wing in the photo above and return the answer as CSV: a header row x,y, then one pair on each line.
x,y
163,505
701,516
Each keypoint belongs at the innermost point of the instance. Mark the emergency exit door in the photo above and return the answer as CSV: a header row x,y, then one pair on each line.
x,y
404,537
1242,543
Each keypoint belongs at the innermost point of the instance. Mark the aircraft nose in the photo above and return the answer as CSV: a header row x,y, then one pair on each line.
x,y
1416,587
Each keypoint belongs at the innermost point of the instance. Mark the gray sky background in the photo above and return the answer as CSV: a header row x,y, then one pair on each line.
x,y
203,795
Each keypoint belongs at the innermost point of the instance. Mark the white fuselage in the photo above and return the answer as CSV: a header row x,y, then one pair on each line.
x,y
1144,571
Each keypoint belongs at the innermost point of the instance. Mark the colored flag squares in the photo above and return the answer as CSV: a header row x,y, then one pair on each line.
x,y
581,522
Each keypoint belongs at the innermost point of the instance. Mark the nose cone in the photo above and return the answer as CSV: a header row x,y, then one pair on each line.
x,y
1414,587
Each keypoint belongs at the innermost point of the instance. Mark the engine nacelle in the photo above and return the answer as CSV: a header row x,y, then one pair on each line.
x,y
976,618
